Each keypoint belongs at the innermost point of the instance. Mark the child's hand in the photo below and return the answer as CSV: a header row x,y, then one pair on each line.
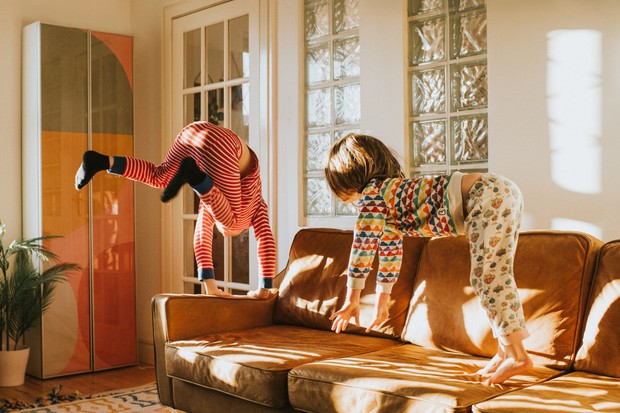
x,y
381,311
262,293
350,310
219,293
213,289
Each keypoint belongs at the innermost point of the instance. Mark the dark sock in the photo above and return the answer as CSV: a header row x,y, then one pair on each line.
x,y
188,173
92,162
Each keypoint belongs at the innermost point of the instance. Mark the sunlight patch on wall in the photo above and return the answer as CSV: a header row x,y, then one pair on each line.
x,y
566,224
574,105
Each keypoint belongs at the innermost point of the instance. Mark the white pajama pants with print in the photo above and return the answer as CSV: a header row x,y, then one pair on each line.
x,y
494,208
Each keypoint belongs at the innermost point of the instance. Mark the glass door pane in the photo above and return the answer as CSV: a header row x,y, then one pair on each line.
x,y
240,110
191,53
240,263
215,107
192,108
214,58
238,48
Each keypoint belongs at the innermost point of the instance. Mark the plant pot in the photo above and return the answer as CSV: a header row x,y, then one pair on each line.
x,y
13,366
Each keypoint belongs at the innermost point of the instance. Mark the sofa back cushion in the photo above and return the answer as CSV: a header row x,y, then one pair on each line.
x,y
553,271
600,350
313,285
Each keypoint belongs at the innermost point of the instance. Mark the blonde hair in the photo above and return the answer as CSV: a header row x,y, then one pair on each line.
x,y
355,160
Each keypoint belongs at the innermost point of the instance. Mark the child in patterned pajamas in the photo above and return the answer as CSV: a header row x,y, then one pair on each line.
x,y
485,207
229,190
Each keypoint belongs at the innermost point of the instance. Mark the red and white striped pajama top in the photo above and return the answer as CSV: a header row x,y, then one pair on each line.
x,y
234,203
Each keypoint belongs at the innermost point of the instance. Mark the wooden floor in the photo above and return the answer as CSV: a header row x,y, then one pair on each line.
x,y
86,384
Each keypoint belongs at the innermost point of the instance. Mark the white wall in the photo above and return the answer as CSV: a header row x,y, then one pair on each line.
x,y
147,27
554,96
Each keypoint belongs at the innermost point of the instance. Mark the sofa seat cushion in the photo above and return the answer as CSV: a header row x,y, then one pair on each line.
x,y
407,378
253,364
573,393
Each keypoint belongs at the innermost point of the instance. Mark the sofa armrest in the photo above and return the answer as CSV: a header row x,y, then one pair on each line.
x,y
182,316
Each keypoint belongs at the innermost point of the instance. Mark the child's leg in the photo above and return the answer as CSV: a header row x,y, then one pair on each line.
x,y
133,168
187,173
494,212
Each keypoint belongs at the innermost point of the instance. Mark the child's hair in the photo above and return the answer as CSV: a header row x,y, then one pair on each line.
x,y
356,159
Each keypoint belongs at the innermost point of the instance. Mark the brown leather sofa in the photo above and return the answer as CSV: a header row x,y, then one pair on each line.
x,y
247,355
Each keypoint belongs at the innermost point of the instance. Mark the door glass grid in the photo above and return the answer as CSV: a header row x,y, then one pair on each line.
x,y
448,98
332,94
216,89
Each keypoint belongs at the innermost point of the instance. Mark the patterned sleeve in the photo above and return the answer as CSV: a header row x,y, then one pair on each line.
x,y
368,232
390,260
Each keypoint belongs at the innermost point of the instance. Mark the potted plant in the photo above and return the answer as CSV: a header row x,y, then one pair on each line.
x,y
24,295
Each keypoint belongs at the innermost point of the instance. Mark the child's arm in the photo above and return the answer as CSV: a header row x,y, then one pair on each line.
x,y
266,245
266,251
368,232
381,311
390,260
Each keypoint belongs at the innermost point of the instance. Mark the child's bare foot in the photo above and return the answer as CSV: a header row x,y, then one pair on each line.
x,y
510,367
492,365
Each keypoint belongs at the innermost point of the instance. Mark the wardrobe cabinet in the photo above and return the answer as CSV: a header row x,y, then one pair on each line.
x,y
78,94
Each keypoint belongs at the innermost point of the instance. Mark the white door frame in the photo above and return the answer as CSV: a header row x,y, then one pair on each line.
x,y
172,235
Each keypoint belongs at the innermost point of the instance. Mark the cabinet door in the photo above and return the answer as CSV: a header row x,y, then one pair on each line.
x,y
66,328
114,303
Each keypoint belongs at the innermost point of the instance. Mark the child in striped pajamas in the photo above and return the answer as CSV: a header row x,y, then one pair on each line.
x,y
485,207
224,173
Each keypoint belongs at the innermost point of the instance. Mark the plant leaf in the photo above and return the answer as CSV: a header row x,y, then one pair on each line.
x,y
27,293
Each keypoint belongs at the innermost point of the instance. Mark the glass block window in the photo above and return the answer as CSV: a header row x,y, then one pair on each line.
x,y
448,99
332,94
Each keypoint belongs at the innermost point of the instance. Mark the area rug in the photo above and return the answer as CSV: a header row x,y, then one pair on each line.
x,y
138,399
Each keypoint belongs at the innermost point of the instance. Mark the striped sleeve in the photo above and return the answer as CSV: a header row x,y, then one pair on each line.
x,y
266,245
